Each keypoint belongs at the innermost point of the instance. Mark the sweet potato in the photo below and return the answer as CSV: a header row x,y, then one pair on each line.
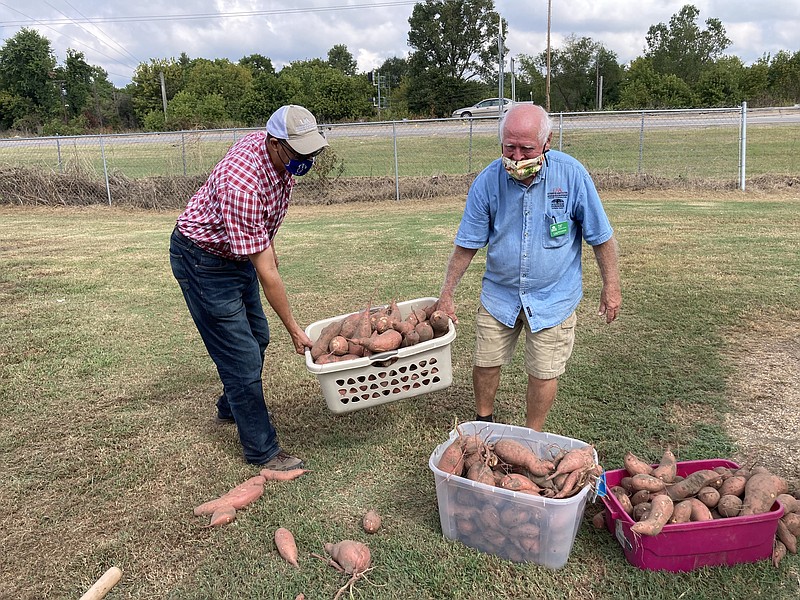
x,y
338,346
514,453
792,522
729,505
708,496
640,511
599,520
692,484
424,331
440,322
239,497
640,496
223,516
622,497
570,485
635,466
642,481
322,343
760,492
518,482
388,340
700,512
349,556
790,503
667,467
452,460
371,521
733,486
778,552
682,512
286,545
481,473
575,459
661,508
784,535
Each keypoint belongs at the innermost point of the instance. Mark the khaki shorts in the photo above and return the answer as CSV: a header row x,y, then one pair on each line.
x,y
546,351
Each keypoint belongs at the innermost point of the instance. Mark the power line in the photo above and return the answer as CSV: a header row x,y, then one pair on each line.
x,y
195,16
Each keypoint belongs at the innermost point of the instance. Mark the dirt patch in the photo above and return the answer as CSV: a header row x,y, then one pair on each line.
x,y
765,397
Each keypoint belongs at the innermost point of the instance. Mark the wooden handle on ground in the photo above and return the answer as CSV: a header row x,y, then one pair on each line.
x,y
102,586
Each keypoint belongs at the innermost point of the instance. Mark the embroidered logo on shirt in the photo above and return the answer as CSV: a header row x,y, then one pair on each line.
x,y
557,198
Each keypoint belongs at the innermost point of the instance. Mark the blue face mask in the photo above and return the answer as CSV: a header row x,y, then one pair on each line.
x,y
299,167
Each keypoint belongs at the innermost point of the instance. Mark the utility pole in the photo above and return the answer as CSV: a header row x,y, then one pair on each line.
x,y
501,60
513,82
547,80
163,93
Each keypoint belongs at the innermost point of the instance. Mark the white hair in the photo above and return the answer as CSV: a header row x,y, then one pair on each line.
x,y
545,122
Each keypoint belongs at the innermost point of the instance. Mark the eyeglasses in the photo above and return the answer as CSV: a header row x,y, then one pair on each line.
x,y
293,153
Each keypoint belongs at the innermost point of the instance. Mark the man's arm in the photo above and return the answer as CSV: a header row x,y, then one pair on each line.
x,y
607,256
275,292
457,265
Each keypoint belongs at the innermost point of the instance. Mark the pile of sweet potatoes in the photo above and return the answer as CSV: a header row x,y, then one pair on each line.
x,y
655,496
375,330
497,523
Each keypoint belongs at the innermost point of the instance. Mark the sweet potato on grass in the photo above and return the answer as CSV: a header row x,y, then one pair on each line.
x,y
778,552
760,492
290,475
514,453
371,521
792,522
239,497
790,503
223,516
286,545
661,508
349,556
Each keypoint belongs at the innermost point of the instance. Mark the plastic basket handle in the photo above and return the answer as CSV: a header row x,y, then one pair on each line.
x,y
383,356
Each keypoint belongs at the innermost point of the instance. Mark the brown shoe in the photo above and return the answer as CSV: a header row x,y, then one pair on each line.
x,y
283,462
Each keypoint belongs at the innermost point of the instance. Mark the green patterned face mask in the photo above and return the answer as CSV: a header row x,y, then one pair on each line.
x,y
523,169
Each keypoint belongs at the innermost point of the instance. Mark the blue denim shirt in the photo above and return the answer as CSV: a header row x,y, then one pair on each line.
x,y
526,268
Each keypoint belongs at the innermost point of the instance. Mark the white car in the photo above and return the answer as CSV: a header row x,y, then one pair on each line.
x,y
484,108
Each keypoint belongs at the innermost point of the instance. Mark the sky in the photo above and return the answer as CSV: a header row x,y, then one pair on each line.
x,y
118,35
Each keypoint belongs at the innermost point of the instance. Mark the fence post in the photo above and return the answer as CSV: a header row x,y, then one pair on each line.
x,y
105,169
469,166
641,146
560,130
183,152
58,151
396,169
743,147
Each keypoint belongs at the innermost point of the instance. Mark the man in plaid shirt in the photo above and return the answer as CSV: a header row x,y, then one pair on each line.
x,y
223,247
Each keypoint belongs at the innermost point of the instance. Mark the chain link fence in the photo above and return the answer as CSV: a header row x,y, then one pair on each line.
x,y
718,148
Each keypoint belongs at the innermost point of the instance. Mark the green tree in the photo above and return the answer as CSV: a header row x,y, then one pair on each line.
x,y
27,67
394,69
784,77
264,96
721,84
645,88
257,64
146,86
682,48
454,42
77,75
219,77
456,37
340,58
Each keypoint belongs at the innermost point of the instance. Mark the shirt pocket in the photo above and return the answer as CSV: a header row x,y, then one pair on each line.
x,y
558,241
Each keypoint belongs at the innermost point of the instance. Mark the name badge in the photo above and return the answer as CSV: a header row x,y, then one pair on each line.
x,y
558,229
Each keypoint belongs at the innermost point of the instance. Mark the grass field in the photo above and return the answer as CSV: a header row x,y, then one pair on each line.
x,y
107,402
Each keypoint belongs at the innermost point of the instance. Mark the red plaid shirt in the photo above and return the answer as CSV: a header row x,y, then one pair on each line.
x,y
239,208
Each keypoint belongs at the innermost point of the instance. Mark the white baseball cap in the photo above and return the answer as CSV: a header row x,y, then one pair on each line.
x,y
298,127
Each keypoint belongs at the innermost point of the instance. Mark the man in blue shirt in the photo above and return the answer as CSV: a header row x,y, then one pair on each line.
x,y
532,209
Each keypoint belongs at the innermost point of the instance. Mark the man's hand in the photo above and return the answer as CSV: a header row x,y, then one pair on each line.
x,y
610,303
301,341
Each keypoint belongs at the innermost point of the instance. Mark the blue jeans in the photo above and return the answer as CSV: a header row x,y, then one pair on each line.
x,y
224,299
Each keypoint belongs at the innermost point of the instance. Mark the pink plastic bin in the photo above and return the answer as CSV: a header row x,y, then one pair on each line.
x,y
690,546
